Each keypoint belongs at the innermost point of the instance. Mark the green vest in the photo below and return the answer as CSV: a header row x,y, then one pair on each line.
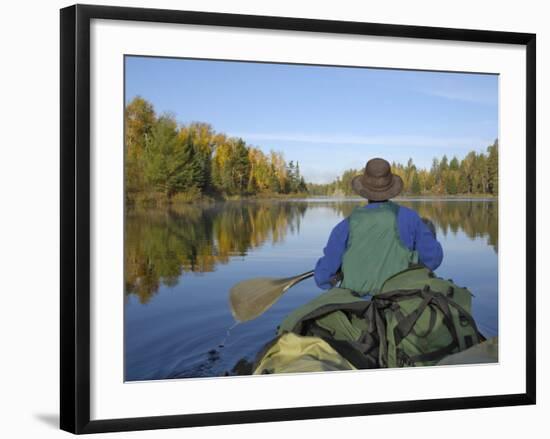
x,y
374,251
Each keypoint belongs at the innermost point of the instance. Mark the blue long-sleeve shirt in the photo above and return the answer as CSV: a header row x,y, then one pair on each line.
x,y
414,234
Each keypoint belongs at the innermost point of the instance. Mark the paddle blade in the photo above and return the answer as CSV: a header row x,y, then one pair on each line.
x,y
251,298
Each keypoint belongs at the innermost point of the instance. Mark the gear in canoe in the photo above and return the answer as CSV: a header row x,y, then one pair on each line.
x,y
417,319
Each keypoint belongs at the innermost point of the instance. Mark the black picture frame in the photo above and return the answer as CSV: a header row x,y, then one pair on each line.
x,y
75,217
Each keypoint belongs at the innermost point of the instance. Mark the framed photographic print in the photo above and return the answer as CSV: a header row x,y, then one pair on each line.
x,y
259,214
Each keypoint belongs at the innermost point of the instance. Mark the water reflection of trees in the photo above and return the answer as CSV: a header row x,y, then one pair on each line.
x,y
161,245
475,218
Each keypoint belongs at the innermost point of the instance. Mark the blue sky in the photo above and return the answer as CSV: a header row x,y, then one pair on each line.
x,y
329,119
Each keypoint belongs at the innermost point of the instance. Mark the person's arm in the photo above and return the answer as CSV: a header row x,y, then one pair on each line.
x,y
328,265
428,247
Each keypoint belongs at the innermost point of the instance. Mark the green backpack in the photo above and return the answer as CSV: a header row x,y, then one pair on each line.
x,y
416,319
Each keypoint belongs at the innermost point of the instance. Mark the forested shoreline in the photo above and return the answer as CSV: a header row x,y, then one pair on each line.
x,y
170,163
476,174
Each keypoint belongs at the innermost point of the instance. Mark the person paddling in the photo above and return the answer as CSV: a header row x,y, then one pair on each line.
x,y
377,240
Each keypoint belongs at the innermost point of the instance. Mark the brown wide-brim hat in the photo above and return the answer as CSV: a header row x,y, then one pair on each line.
x,y
377,182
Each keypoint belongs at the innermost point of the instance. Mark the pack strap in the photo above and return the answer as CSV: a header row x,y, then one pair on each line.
x,y
433,317
353,354
376,331
397,295
434,355
406,324
465,315
358,308
442,302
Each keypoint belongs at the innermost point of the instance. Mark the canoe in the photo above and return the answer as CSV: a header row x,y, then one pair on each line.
x,y
291,353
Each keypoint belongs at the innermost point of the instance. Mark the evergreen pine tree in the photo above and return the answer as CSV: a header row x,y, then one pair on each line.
x,y
415,186
451,185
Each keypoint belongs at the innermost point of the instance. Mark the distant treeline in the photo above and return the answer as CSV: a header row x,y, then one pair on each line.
x,y
477,173
167,161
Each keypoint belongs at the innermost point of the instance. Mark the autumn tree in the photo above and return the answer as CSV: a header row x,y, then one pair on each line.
x,y
492,167
202,138
415,185
240,167
170,163
139,119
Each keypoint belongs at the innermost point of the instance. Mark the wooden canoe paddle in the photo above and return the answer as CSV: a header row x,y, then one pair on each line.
x,y
251,298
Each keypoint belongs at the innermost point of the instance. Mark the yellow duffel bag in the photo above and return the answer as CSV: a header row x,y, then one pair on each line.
x,y
291,353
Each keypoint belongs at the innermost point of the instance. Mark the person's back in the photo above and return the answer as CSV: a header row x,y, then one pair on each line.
x,y
377,240
366,270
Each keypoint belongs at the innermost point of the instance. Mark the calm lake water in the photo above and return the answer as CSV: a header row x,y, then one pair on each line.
x,y
181,263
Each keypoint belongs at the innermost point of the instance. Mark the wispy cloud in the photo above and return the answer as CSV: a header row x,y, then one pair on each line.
x,y
473,96
414,141
317,175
